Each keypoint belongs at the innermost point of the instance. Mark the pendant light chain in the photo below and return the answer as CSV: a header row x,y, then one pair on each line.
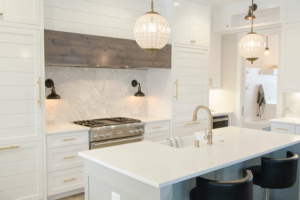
x,y
252,8
152,6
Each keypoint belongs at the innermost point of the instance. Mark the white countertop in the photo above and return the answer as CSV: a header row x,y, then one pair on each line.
x,y
286,120
149,119
64,128
218,112
160,165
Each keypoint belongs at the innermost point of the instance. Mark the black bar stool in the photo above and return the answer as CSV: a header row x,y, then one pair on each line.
x,y
276,173
223,190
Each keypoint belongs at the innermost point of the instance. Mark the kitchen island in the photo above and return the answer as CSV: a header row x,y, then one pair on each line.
x,y
147,170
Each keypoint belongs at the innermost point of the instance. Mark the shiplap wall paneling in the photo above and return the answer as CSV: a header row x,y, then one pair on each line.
x,y
114,18
269,83
20,114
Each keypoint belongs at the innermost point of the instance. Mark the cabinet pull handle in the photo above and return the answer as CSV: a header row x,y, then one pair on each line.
x,y
12,147
282,129
72,179
210,82
157,127
39,101
192,123
69,139
69,157
176,83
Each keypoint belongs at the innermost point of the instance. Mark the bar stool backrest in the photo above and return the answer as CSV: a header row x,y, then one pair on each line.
x,y
279,173
225,190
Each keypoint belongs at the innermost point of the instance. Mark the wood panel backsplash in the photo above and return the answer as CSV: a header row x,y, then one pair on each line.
x,y
71,49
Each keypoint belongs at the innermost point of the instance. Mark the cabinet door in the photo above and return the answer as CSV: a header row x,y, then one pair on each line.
x,y
290,58
20,11
220,21
20,113
182,22
21,174
200,25
191,86
215,67
290,13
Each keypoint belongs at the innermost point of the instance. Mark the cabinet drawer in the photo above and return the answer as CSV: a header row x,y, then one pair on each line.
x,y
65,180
186,129
155,137
283,128
65,157
157,127
61,140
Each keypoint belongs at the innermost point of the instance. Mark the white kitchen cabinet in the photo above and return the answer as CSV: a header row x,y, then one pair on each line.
x,y
21,113
290,58
290,11
187,129
190,83
157,131
221,21
21,175
215,68
283,128
20,11
192,24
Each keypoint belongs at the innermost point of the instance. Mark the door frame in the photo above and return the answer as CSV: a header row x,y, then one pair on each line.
x,y
241,78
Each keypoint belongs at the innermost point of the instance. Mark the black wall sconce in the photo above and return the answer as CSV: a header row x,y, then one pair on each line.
x,y
50,84
139,93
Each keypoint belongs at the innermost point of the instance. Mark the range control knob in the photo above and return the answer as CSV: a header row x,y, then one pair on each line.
x,y
107,134
101,135
95,136
120,133
141,130
130,131
136,131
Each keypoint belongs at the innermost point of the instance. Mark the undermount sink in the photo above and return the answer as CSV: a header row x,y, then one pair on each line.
x,y
189,141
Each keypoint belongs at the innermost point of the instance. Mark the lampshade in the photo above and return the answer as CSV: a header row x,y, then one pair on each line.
x,y
152,32
50,84
139,93
252,46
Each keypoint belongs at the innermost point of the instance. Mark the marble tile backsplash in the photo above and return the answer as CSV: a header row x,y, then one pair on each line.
x,y
292,108
88,93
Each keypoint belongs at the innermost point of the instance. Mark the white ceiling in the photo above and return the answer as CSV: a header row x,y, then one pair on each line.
x,y
217,3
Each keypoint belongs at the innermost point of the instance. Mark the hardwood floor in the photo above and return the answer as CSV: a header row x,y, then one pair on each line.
x,y
74,197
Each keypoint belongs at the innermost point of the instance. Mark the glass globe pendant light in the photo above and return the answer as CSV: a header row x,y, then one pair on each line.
x,y
152,31
252,45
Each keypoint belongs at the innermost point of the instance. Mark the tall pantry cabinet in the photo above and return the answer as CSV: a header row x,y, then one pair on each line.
x,y
190,64
21,100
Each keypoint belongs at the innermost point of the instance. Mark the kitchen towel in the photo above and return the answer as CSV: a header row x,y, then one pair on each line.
x,y
176,142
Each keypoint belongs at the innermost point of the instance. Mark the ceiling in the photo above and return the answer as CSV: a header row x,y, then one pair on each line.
x,y
217,3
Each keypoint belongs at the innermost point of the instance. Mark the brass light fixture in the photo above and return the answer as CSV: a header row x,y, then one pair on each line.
x,y
250,15
139,93
50,84
152,31
252,45
267,50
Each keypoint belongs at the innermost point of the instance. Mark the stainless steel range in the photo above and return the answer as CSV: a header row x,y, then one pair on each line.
x,y
113,131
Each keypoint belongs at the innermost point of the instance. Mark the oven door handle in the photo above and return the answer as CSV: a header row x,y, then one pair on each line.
x,y
94,144
220,120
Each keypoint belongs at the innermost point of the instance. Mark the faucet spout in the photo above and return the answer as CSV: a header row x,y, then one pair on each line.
x,y
209,137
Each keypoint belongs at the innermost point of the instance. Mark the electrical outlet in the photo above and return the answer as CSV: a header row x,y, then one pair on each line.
x,y
115,196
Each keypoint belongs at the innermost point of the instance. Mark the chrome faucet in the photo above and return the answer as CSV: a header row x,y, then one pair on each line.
x,y
208,136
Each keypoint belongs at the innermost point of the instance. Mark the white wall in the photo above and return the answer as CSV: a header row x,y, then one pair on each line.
x,y
110,18
225,98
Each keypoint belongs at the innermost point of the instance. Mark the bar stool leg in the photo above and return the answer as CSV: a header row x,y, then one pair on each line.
x,y
267,194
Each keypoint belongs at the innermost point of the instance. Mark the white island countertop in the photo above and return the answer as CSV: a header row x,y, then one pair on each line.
x,y
159,166
286,120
